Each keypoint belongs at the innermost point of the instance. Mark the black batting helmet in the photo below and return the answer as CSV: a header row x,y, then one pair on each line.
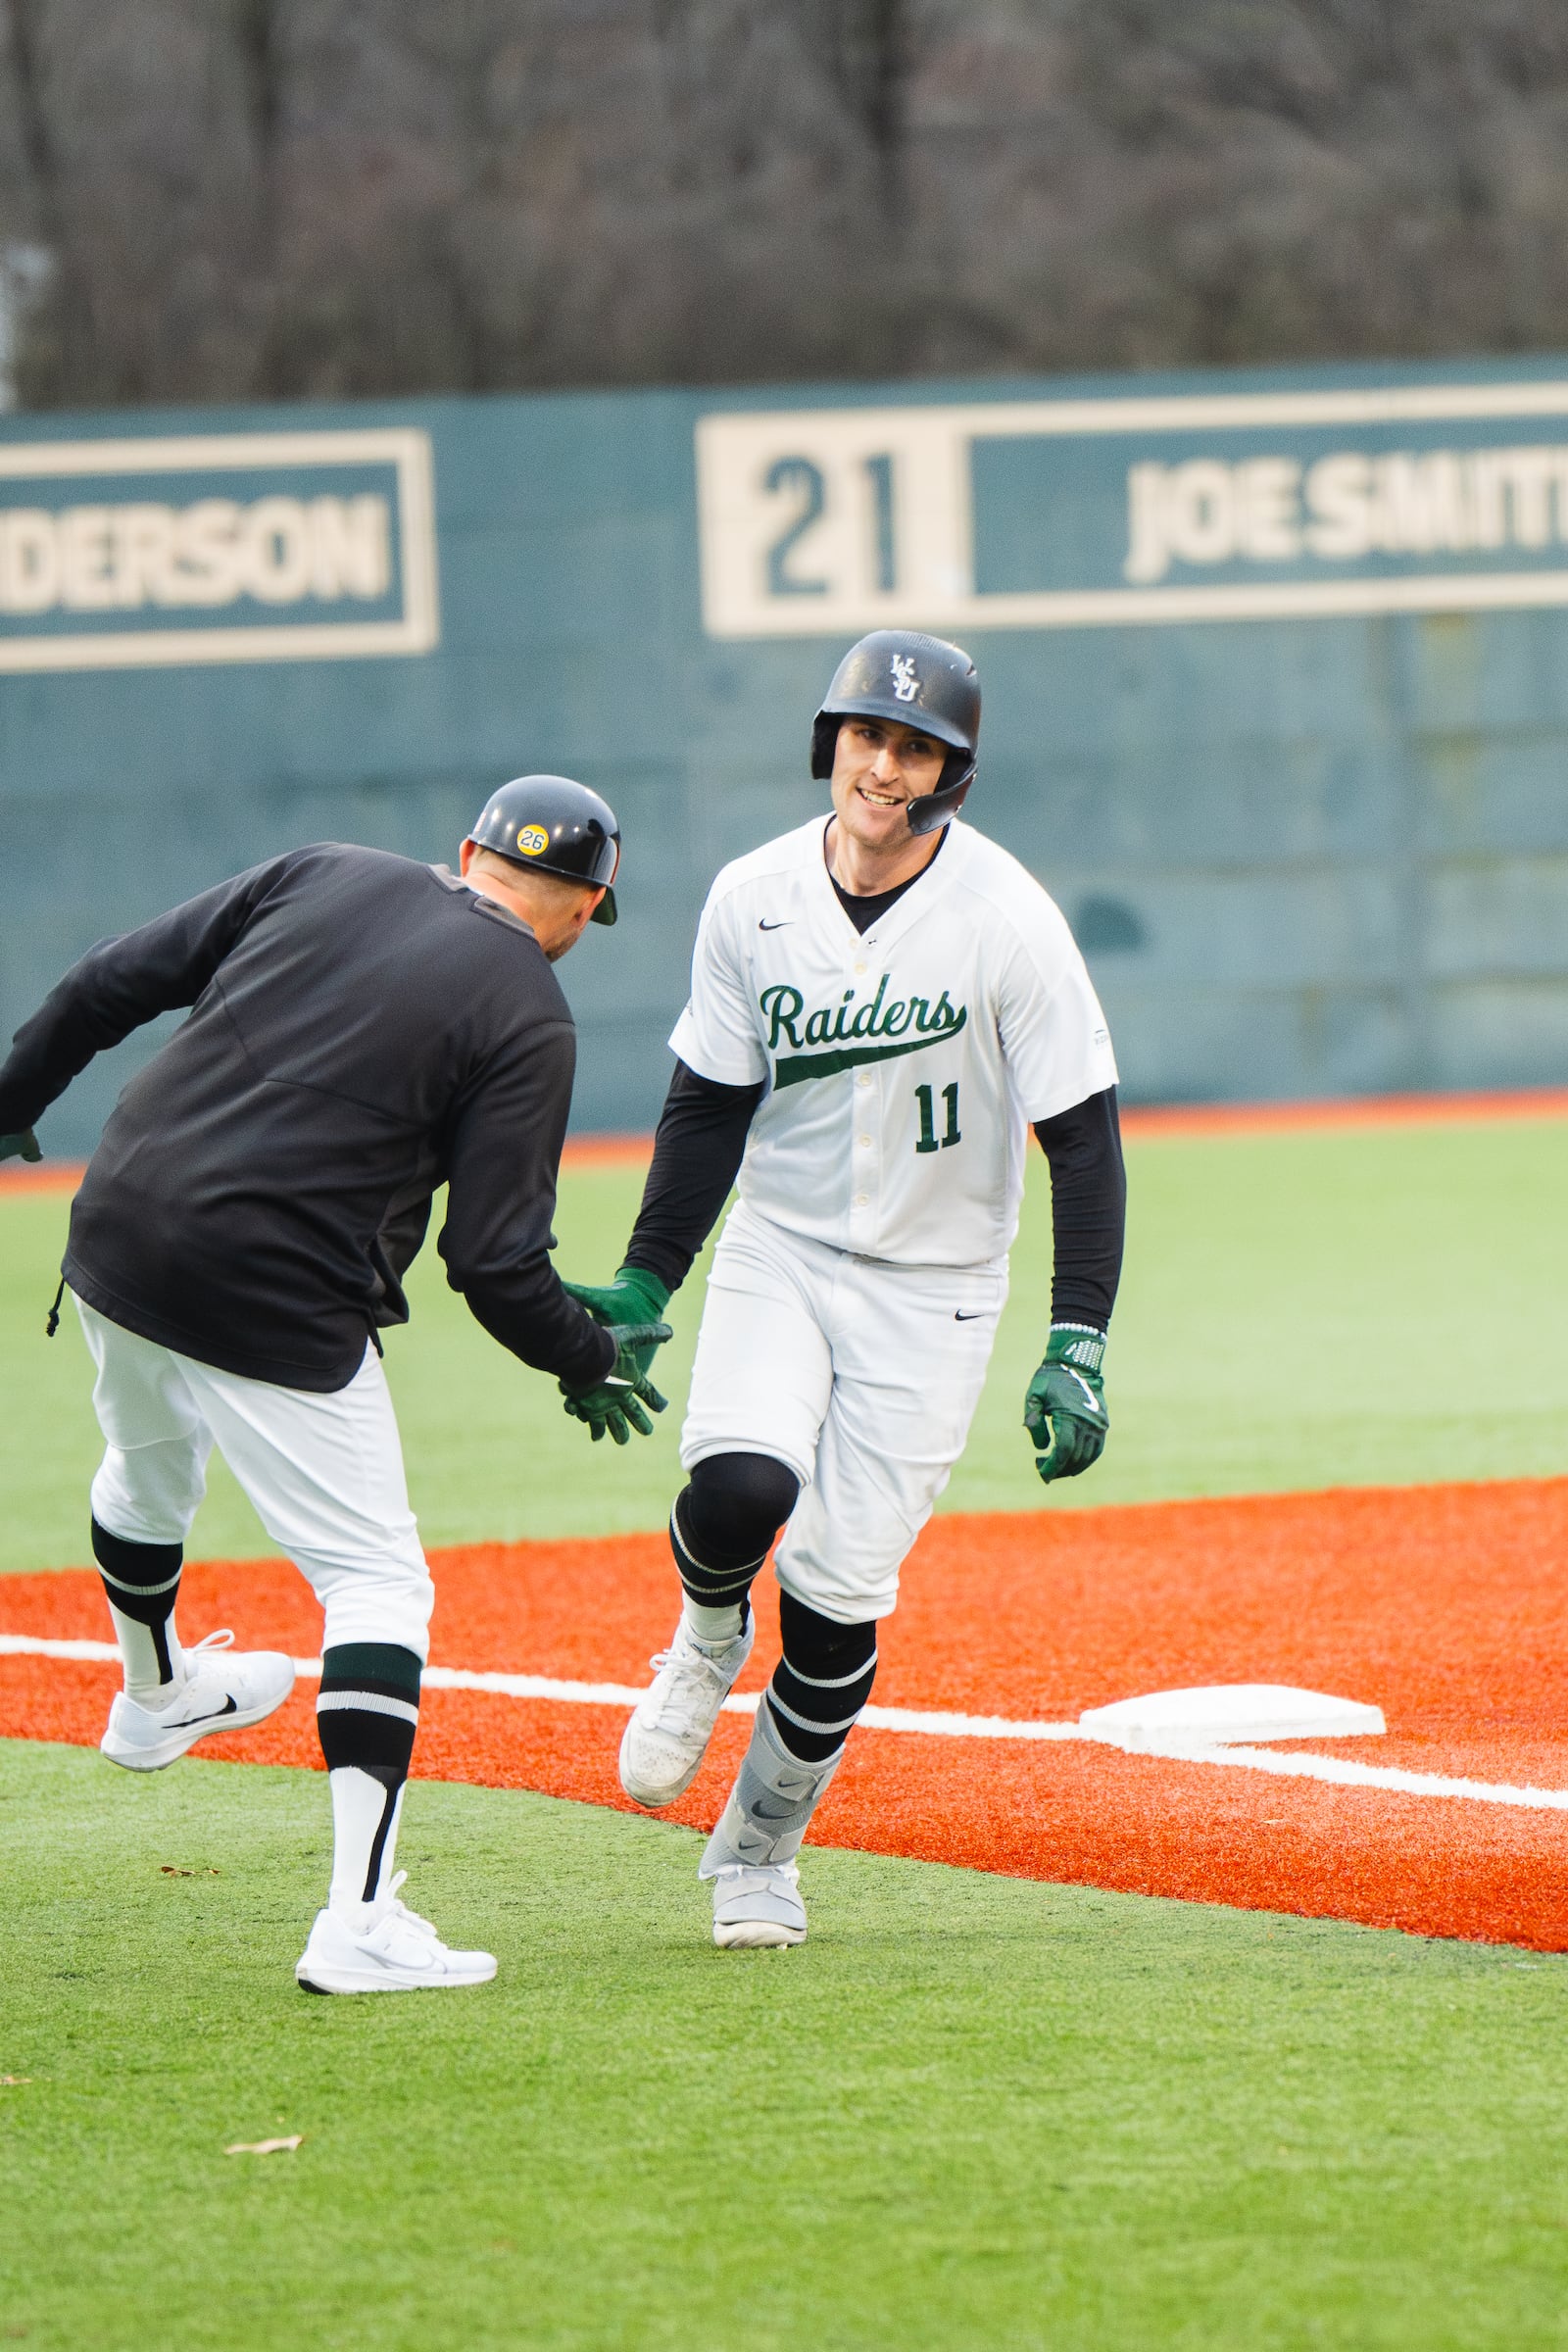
x,y
922,682
556,827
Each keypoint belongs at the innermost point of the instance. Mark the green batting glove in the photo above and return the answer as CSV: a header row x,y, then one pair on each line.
x,y
615,1403
25,1146
634,1296
1064,1405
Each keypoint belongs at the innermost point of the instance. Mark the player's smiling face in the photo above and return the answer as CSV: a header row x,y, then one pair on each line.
x,y
878,767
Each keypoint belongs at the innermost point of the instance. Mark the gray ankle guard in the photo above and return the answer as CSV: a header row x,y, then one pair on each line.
x,y
771,1805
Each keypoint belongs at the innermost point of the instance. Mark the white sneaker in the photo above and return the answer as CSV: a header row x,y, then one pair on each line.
x,y
401,1954
758,1905
666,1737
224,1690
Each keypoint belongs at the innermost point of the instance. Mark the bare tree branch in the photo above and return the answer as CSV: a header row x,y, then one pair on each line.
x,y
267,198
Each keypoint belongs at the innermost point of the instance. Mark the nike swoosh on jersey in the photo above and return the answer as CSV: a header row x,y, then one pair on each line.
x,y
781,926
961,1317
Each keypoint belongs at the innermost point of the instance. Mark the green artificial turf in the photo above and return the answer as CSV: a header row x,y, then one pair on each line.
x,y
971,2115
1298,1311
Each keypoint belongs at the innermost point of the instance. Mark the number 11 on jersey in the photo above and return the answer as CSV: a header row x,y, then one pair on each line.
x,y
929,1140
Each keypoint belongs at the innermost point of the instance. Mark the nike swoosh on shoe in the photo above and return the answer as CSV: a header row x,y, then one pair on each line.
x,y
230,1706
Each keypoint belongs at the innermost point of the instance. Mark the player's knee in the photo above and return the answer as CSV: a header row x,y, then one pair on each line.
x,y
150,1494
378,1598
736,1504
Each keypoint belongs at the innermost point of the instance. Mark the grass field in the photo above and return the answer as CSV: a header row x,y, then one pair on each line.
x,y
974,2111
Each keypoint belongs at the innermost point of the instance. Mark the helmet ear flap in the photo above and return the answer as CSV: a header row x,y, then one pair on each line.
x,y
825,743
938,809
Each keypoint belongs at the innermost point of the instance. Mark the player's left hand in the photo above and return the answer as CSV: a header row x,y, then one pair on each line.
x,y
1064,1405
25,1146
615,1403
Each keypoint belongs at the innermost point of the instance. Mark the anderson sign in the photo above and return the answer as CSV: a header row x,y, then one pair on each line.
x,y
1080,513
274,547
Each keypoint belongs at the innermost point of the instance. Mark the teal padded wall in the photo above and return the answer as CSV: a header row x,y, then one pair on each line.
x,y
1287,739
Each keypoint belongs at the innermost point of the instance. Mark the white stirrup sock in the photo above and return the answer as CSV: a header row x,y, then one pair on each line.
x,y
366,1818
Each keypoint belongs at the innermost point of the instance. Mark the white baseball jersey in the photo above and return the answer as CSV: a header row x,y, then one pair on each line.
x,y
903,1068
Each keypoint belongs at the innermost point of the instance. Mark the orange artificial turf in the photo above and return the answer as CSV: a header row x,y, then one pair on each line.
x,y
1445,1605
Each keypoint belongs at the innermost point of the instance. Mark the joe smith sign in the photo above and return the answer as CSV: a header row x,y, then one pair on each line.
x,y
1344,507
1076,513
243,547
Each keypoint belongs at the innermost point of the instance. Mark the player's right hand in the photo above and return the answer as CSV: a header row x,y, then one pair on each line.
x,y
25,1146
636,1296
615,1403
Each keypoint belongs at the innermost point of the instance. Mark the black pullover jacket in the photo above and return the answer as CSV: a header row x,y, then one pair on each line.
x,y
364,1030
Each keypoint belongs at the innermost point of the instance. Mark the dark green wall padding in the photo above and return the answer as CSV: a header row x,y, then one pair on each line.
x,y
1304,857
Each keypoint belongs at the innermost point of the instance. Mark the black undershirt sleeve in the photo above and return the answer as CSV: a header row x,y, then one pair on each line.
x,y
1088,1208
697,1157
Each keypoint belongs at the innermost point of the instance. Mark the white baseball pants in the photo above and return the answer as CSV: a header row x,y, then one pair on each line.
x,y
324,1473
862,1376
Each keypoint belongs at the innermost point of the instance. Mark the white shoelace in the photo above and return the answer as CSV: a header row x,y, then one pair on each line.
x,y
189,1655
399,1926
224,1639
693,1678
399,1910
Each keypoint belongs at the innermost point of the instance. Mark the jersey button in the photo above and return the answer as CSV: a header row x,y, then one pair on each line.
x,y
866,1142
860,971
865,1078
862,1200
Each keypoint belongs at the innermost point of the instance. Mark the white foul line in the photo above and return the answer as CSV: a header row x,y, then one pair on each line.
x,y
1349,1775
1338,1771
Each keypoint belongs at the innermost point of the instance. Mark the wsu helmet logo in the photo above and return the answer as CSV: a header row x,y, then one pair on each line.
x,y
905,685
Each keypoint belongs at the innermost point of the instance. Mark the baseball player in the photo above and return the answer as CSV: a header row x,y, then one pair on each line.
x,y
881,1005
364,1030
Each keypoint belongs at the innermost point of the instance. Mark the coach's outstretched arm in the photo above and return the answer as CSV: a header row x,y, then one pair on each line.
x,y
504,1149
116,986
1064,1406
697,1157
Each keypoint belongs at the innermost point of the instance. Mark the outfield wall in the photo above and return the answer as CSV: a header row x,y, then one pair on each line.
x,y
1276,672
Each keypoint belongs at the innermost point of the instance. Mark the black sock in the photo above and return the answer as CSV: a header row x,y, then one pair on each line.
x,y
707,1584
724,1523
821,1681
